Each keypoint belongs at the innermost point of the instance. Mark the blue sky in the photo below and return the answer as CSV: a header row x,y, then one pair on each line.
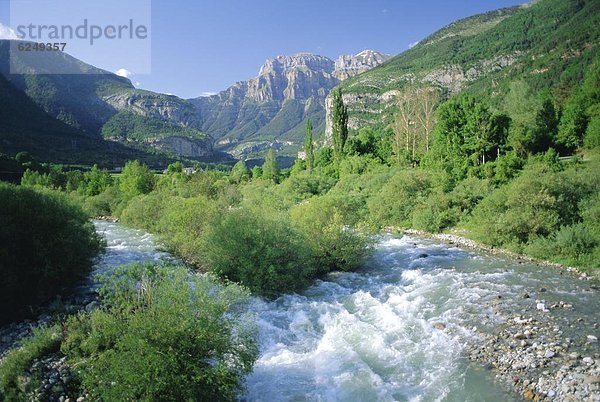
x,y
201,46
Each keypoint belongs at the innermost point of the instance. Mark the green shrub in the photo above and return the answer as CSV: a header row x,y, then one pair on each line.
x,y
395,202
145,211
536,204
106,203
574,241
182,224
334,244
435,213
259,250
165,334
305,185
575,244
46,244
592,134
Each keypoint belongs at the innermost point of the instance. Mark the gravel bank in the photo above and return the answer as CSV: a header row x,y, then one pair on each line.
x,y
529,352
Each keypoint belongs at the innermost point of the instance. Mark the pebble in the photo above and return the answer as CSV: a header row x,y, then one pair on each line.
x,y
592,338
439,325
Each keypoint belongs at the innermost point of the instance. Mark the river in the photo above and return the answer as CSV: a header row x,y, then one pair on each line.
x,y
398,329
395,330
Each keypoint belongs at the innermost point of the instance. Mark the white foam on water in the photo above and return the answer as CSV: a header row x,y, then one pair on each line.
x,y
373,335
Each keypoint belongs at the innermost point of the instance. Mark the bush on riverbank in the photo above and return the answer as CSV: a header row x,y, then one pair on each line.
x,y
163,334
549,212
46,244
245,234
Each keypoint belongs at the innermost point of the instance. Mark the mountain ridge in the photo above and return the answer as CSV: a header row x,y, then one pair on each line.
x,y
88,98
270,110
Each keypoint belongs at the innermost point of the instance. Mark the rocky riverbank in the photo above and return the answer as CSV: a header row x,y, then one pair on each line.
x,y
12,334
464,242
530,353
51,374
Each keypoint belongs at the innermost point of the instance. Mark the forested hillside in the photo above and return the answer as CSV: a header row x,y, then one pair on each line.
x,y
525,54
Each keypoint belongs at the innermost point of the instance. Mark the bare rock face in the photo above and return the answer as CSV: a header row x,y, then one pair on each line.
x,y
183,146
150,104
347,66
276,103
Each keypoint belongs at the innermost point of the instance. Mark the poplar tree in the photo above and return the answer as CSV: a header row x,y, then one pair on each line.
x,y
270,169
308,147
339,125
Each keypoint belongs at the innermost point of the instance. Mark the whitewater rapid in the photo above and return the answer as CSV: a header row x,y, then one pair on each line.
x,y
396,329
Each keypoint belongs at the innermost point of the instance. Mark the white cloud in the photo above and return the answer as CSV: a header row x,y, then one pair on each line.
x,y
122,72
208,93
411,45
137,84
7,32
385,11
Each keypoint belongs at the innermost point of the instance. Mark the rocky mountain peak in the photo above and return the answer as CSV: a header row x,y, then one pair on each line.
x,y
275,104
347,65
309,61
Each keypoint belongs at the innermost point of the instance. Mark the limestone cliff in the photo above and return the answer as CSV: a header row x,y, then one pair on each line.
x,y
275,104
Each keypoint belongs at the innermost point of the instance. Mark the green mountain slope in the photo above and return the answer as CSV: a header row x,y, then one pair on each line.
x,y
88,99
24,126
548,44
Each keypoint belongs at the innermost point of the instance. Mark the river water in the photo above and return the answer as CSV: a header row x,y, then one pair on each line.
x,y
393,331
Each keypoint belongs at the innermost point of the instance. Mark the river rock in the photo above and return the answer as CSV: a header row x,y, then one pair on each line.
x,y
592,338
588,360
541,306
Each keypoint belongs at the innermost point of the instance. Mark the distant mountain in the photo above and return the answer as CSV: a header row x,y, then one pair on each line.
x,y
100,104
271,109
267,111
546,44
24,126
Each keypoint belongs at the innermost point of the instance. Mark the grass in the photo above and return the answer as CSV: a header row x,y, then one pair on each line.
x,y
43,342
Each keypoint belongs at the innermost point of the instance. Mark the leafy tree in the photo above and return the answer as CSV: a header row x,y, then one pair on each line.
x,y
414,122
28,161
257,172
308,147
339,124
176,167
135,179
298,167
363,143
95,181
572,125
592,134
240,172
546,127
467,135
270,169
405,133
